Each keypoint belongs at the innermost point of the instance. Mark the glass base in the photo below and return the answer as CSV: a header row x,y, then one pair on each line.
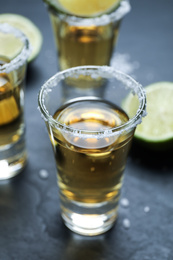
x,y
89,219
12,160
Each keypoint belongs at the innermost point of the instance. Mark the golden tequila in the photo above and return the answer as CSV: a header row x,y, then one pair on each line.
x,y
90,168
79,45
11,107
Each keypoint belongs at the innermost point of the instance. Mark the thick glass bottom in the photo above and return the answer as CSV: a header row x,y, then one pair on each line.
x,y
89,219
12,160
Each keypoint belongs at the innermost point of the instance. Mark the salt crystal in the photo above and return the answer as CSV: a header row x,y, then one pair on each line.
x,y
146,209
126,223
125,202
43,174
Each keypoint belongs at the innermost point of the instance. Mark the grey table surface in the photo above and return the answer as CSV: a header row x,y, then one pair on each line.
x,y
30,222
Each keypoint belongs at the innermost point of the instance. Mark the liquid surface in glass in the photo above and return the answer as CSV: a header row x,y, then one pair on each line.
x,y
90,169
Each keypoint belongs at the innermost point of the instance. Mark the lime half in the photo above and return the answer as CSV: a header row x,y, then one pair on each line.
x,y
85,8
156,129
28,28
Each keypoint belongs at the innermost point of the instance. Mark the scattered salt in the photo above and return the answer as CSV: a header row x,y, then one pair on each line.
x,y
146,209
126,223
124,202
43,174
122,62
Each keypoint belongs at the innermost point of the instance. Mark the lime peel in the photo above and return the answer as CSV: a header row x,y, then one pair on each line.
x,y
156,129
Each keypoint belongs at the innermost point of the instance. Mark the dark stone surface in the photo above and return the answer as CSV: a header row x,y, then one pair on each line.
x,y
30,224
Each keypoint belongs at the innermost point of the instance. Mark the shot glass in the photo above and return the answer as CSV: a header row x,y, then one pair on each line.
x,y
14,52
91,137
85,41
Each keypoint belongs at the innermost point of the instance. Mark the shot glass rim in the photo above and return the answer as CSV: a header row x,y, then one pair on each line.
x,y
21,58
130,124
106,18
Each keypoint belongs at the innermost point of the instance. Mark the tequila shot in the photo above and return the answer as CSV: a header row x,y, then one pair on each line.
x,y
85,40
14,52
91,137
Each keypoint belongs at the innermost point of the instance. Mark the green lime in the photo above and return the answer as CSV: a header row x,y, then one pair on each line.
x,y
28,28
10,47
156,129
85,8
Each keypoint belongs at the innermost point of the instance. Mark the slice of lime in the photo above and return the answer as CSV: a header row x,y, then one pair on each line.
x,y
156,129
28,28
85,8
10,46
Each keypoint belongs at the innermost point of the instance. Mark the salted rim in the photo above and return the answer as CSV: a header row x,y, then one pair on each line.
x,y
22,57
123,8
107,72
